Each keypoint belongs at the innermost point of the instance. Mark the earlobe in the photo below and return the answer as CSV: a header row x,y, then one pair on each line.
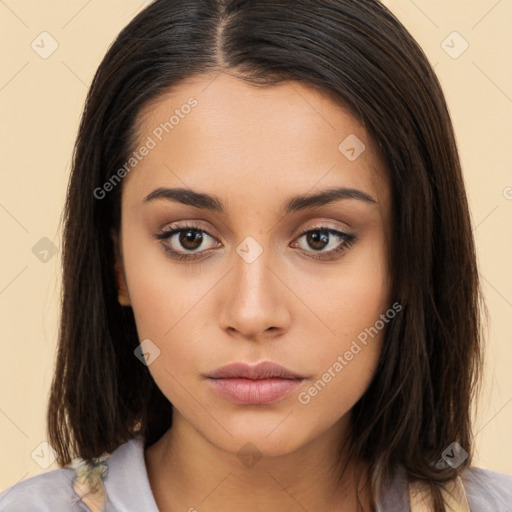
x,y
123,297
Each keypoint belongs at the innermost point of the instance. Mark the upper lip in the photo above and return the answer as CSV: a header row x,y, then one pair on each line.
x,y
264,370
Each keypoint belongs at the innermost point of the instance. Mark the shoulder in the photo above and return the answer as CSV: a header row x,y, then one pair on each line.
x,y
487,491
48,492
125,480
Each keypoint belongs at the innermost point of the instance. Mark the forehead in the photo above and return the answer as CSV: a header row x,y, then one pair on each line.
x,y
219,133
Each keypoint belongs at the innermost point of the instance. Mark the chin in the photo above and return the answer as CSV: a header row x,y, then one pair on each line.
x,y
259,437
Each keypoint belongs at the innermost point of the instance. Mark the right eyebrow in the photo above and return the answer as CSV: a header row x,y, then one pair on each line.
x,y
189,197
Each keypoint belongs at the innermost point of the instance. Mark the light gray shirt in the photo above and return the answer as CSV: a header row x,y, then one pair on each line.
x,y
128,489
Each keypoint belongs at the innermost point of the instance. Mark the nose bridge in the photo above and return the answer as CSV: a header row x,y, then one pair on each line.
x,y
252,274
254,302
251,269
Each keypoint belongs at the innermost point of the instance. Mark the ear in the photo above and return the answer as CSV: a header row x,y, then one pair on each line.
x,y
124,299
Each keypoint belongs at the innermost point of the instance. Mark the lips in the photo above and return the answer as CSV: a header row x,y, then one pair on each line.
x,y
264,370
263,383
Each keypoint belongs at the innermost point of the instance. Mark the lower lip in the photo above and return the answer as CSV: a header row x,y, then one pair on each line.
x,y
248,391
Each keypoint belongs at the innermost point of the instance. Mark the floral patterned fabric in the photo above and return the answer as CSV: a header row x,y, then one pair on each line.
x,y
88,483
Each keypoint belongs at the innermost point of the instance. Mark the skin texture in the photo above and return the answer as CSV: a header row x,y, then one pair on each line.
x,y
255,148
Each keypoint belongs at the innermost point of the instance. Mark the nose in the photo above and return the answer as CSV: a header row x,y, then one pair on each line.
x,y
255,300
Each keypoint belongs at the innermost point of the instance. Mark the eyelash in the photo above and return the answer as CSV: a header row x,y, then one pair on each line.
x,y
348,240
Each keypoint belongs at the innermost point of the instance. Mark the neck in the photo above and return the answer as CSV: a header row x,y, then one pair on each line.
x,y
187,472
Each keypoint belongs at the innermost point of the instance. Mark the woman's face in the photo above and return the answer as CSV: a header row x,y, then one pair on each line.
x,y
226,159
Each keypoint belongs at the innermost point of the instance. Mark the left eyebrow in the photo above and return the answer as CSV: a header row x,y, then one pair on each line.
x,y
325,197
294,204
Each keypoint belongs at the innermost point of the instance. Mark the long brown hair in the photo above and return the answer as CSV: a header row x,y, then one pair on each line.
x,y
359,54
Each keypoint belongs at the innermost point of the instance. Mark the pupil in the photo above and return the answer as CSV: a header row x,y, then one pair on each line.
x,y
191,239
317,239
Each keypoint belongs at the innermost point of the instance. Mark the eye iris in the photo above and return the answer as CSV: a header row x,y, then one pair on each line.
x,y
191,236
317,239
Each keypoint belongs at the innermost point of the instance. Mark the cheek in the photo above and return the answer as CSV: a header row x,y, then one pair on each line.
x,y
353,295
163,294
355,306
168,303
346,370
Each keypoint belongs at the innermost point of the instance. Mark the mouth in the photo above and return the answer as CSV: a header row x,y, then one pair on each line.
x,y
263,383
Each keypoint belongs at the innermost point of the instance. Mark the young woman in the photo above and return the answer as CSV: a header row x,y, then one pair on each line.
x,y
271,299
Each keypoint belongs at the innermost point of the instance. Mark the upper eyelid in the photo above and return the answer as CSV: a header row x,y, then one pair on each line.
x,y
318,226
183,227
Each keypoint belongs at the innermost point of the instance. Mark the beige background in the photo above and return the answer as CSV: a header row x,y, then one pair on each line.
x,y
41,100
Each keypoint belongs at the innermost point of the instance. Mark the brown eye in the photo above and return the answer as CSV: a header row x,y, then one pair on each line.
x,y
191,239
323,237
317,240
189,244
